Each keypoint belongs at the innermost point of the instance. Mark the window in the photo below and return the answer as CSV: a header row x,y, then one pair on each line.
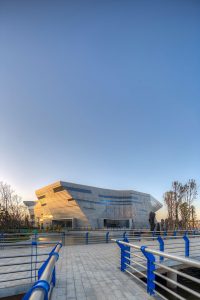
x,y
70,188
42,197
74,189
58,189
109,202
43,204
115,197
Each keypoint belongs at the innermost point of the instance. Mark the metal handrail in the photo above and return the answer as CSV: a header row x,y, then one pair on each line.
x,y
25,263
44,285
151,271
188,261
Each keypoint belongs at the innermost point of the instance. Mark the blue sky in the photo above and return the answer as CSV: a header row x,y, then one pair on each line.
x,y
104,93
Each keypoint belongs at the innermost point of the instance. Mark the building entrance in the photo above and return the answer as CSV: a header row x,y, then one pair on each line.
x,y
64,223
108,223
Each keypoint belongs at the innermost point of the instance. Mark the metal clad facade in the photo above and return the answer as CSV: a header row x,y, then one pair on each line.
x,y
90,206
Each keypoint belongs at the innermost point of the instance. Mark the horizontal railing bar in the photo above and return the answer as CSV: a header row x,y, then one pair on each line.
x,y
137,263
143,275
127,244
169,291
160,295
166,247
25,255
169,244
138,256
18,271
135,277
175,250
127,251
178,272
31,233
135,252
22,263
16,279
187,261
155,245
27,244
164,237
178,284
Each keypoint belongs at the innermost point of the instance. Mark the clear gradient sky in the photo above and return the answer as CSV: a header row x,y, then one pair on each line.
x,y
104,93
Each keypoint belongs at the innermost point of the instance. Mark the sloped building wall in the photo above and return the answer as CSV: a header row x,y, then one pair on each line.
x,y
58,205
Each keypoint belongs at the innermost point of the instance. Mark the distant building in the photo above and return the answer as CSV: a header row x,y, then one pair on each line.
x,y
76,206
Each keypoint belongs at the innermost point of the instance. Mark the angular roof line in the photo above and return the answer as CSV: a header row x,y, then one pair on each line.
x,y
65,183
48,187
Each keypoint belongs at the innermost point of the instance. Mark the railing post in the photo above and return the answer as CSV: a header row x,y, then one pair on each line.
x,y
36,257
150,270
35,235
86,237
107,237
2,240
63,238
34,243
140,236
187,245
31,261
124,235
162,246
125,255
174,234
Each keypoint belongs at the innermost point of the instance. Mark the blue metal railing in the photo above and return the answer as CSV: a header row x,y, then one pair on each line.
x,y
162,243
46,277
21,262
92,237
9,238
148,272
106,237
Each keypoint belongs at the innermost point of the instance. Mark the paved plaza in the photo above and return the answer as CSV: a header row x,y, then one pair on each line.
x,y
92,272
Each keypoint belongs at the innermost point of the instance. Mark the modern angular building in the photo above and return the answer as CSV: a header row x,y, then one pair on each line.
x,y
79,206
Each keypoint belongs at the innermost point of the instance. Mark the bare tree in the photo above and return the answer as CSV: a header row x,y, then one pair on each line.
x,y
169,201
178,193
190,197
184,214
12,209
179,204
193,216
